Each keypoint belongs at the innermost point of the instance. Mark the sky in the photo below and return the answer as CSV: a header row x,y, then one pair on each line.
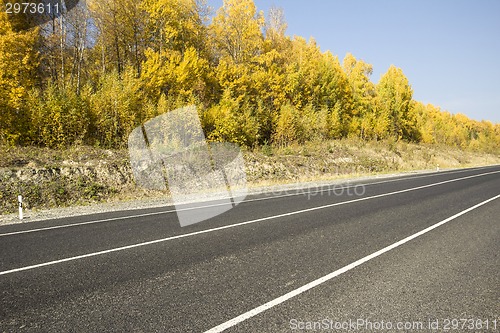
x,y
448,49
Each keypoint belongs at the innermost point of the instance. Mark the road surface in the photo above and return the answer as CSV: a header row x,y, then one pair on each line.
x,y
418,250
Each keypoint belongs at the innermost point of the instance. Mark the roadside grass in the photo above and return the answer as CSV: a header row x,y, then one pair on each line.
x,y
83,175
12,157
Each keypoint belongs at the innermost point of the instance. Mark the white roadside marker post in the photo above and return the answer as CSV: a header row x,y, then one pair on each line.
x,y
20,201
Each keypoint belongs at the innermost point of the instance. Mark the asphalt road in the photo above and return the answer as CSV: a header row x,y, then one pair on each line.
x,y
419,251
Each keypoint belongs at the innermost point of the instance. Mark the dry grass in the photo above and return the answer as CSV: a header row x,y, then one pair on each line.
x,y
351,158
86,175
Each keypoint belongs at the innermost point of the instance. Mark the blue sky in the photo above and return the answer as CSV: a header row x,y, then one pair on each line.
x,y
448,49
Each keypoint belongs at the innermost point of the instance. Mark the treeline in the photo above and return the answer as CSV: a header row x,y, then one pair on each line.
x,y
97,72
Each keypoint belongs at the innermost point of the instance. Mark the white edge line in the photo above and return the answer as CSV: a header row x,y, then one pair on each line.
x,y
298,191
310,190
85,223
93,254
315,283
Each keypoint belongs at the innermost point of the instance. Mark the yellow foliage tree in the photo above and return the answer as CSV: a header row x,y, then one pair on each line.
x,y
115,109
363,92
286,129
236,31
395,103
229,121
19,60
173,73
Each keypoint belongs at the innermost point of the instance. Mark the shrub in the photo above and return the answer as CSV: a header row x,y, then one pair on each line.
x,y
59,117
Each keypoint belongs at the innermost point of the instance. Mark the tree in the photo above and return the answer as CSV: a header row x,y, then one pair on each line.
x,y
363,92
79,41
177,63
267,83
236,31
425,122
269,74
275,29
59,117
19,60
302,71
395,96
116,108
237,42
335,93
121,39
176,75
109,66
176,25
230,121
286,129
65,47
